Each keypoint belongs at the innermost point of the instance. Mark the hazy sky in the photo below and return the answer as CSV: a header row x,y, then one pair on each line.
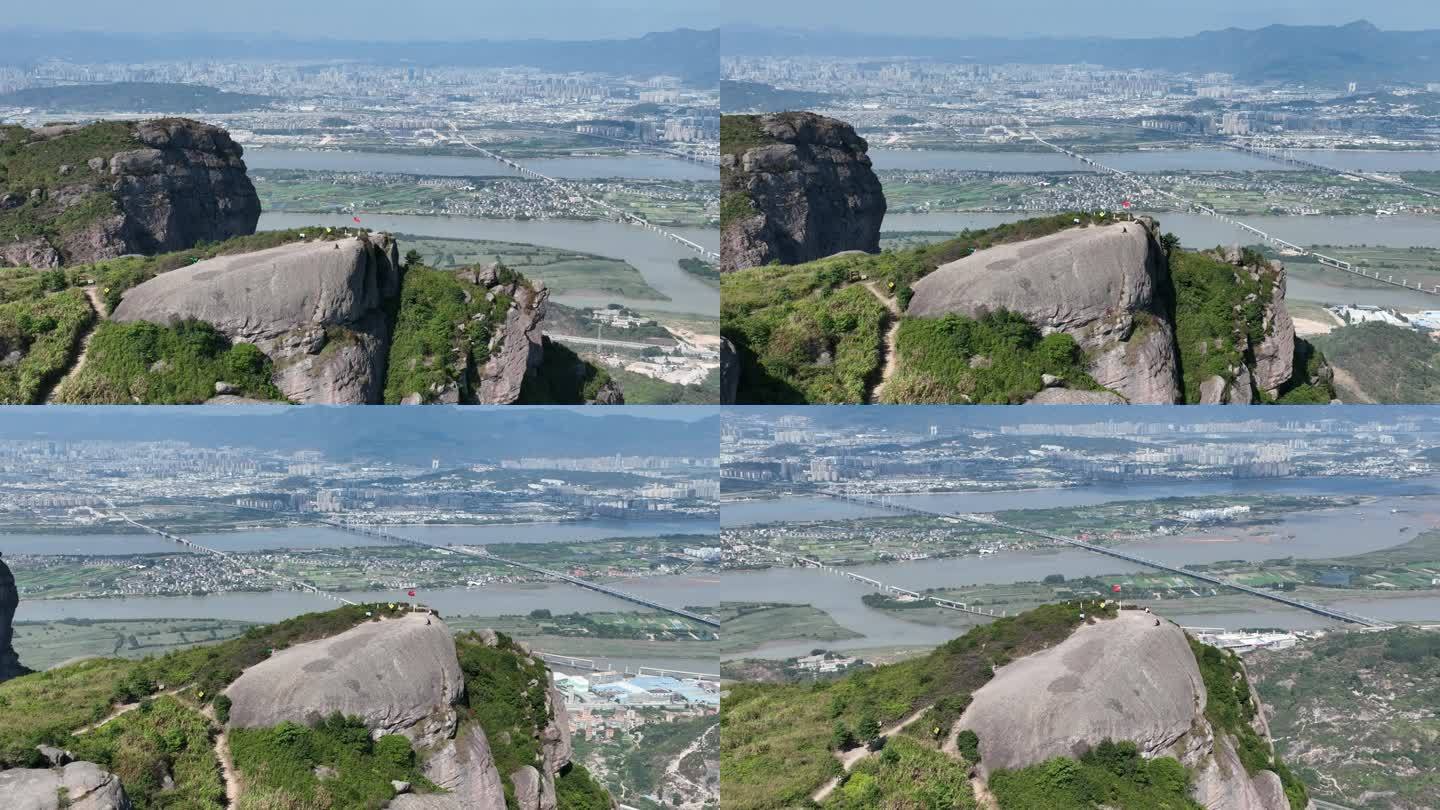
x,y
375,19
961,18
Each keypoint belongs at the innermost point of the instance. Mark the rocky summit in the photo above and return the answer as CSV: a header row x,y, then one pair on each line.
x,y
10,666
400,676
319,309
795,187
1105,286
1131,678
74,194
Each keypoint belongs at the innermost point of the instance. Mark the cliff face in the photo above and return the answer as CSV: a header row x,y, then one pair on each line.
x,y
10,666
795,187
1121,679
80,194
319,309
1104,286
517,347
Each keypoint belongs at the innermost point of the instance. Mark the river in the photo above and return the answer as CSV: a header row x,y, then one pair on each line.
x,y
1309,534
656,257
631,166
312,537
1157,160
809,508
1200,231
491,600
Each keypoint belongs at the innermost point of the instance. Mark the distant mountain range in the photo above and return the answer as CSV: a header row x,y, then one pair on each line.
x,y
135,97
457,435
1328,55
692,55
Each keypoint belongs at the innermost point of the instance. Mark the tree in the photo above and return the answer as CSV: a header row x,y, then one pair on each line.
x,y
842,738
1054,579
869,729
413,258
968,743
1169,241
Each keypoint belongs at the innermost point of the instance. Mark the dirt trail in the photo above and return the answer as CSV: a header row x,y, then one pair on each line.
x,y
854,755
92,293
892,332
227,769
123,709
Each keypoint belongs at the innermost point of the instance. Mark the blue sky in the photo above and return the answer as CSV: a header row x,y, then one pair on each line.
x,y
963,18
374,19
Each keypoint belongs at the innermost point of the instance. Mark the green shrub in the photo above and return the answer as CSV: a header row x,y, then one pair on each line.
x,y
334,763
165,365
442,330
998,358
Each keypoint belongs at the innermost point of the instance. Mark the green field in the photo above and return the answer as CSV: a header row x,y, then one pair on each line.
x,y
563,271
745,626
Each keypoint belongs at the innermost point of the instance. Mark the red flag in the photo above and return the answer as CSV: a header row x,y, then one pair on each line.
x,y
411,593
357,219
1126,204
1113,588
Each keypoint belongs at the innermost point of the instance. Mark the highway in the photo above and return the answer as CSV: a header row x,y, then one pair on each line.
x,y
570,187
1139,182
985,520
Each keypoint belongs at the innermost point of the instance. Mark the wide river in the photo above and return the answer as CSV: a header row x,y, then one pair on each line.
x,y
312,537
1402,510
1200,231
656,257
1159,160
632,166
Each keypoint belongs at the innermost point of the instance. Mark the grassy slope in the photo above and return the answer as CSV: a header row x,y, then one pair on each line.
x,y
45,331
776,738
506,697
935,360
142,362
440,315
27,165
1391,364
810,333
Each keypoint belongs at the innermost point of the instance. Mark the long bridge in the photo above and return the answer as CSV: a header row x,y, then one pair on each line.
x,y
948,604
624,215
992,522
380,534
229,558
1289,159
1140,183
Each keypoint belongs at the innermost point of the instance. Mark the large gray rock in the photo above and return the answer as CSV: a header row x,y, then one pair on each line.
x,y
812,190
1275,355
1101,285
85,786
10,666
526,784
466,769
1121,679
317,309
401,676
1067,396
517,347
